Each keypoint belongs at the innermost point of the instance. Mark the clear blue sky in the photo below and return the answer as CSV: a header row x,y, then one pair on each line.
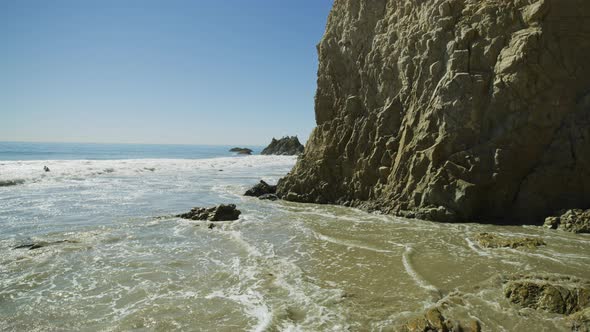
x,y
167,71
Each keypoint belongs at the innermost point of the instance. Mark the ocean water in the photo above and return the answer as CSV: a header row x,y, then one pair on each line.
x,y
119,260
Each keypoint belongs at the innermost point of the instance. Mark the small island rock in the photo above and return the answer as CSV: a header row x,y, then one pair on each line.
x,y
241,150
286,146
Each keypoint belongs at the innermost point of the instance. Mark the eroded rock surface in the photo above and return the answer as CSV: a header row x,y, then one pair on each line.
x,y
217,213
451,110
575,221
286,146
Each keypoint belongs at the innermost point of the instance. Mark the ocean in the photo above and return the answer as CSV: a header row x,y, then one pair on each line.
x,y
116,258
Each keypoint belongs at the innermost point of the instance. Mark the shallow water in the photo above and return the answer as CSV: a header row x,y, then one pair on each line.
x,y
281,266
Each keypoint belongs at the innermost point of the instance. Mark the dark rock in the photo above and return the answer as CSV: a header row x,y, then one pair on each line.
x,y
46,169
241,151
557,294
37,245
287,146
488,240
575,221
218,213
270,197
260,189
10,183
453,104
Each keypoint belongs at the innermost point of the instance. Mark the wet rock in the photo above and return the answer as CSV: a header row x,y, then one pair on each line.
x,y
433,320
580,321
269,197
557,294
241,151
453,104
218,213
262,188
287,146
42,244
487,240
10,183
46,169
575,221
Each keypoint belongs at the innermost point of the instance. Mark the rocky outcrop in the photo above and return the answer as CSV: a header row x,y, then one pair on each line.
x,y
241,151
487,240
218,213
559,294
286,146
575,221
451,110
260,189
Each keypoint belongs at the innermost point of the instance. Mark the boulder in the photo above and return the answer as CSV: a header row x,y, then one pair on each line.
x,y
555,294
217,213
287,146
241,151
575,221
262,188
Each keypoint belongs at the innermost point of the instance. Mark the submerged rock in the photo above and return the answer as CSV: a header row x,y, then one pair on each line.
x,y
42,244
453,104
287,146
560,295
575,221
269,197
488,240
217,213
241,151
433,320
262,188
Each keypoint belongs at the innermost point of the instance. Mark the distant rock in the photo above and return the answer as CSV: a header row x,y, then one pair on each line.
x,y
262,188
575,221
286,146
488,240
217,213
557,294
241,150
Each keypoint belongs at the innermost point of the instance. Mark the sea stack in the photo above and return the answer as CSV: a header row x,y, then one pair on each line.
x,y
451,110
286,146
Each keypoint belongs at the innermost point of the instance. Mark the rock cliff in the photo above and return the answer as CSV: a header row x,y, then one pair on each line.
x,y
451,110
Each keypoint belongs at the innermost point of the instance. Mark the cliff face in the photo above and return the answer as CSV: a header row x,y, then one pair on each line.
x,y
451,110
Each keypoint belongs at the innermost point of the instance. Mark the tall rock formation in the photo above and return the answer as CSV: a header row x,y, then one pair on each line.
x,y
451,110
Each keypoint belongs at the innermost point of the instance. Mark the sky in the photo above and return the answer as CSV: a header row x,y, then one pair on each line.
x,y
164,72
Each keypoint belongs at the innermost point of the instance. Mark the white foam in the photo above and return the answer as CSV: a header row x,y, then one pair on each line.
x,y
412,273
351,244
16,172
